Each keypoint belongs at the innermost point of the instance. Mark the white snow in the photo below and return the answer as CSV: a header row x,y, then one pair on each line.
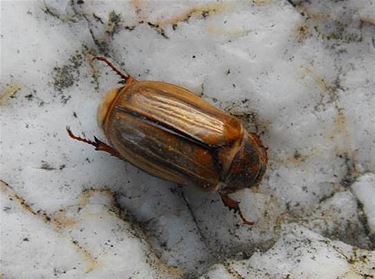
x,y
364,189
300,75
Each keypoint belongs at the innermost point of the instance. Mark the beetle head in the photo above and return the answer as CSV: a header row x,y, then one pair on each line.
x,y
106,105
248,165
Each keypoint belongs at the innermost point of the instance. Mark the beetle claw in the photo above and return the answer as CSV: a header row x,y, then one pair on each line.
x,y
234,205
98,144
247,222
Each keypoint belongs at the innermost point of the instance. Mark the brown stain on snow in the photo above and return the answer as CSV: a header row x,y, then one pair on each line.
x,y
302,32
139,7
296,159
194,12
9,92
61,221
322,83
198,11
86,195
55,224
61,224
262,2
340,129
13,196
338,134
310,13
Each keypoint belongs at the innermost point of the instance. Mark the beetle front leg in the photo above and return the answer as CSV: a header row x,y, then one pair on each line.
x,y
99,145
232,204
125,76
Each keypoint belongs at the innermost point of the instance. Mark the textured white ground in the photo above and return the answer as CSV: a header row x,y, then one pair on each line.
x,y
300,74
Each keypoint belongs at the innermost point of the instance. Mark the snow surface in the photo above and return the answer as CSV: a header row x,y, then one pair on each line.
x,y
299,73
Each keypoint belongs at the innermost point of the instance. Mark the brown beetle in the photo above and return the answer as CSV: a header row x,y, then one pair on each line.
x,y
173,134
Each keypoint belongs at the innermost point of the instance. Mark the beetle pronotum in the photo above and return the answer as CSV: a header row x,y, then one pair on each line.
x,y
171,133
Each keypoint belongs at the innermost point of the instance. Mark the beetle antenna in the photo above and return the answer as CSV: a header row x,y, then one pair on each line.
x,y
122,74
99,145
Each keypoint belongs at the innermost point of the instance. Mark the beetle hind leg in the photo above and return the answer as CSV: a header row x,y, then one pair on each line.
x,y
232,204
99,145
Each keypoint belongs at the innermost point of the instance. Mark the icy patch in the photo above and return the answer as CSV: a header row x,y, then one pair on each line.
x,y
88,239
300,253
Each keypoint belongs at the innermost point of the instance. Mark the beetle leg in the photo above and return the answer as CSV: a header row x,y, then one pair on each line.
x,y
126,77
99,145
232,204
